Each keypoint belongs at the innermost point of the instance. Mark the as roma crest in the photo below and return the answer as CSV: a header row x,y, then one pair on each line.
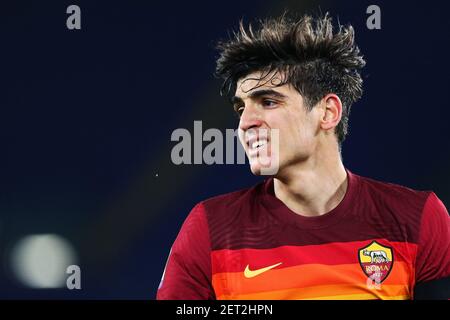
x,y
376,261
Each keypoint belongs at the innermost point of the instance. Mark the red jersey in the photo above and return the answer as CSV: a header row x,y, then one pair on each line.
x,y
378,243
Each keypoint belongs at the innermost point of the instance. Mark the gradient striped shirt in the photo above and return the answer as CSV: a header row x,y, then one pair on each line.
x,y
378,243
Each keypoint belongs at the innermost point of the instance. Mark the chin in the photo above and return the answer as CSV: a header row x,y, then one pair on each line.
x,y
264,167
255,169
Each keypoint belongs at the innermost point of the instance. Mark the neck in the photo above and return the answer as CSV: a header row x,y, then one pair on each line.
x,y
313,187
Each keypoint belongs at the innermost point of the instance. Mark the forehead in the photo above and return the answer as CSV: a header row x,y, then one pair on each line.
x,y
261,80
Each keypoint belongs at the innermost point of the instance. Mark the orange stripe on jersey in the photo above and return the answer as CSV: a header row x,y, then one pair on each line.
x,y
304,277
330,254
333,292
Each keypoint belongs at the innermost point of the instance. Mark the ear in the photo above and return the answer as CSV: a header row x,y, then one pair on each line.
x,y
332,111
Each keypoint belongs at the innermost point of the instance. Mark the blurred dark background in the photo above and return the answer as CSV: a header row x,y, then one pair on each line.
x,y
87,115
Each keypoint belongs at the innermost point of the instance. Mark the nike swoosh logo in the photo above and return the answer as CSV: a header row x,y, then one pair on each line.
x,y
253,273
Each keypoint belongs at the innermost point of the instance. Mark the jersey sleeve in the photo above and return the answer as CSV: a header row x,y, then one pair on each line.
x,y
187,275
433,252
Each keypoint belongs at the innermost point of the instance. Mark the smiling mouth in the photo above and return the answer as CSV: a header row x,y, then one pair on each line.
x,y
256,141
256,147
258,144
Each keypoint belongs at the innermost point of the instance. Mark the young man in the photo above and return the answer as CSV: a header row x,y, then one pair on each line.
x,y
312,230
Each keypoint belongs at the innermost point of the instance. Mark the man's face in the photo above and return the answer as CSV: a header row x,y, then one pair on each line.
x,y
267,110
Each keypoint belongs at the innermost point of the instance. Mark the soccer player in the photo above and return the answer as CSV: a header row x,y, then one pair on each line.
x,y
312,229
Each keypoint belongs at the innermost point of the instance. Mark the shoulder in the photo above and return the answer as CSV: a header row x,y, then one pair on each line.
x,y
392,194
395,208
392,191
230,211
233,200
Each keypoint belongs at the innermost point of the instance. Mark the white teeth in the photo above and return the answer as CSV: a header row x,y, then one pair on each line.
x,y
258,144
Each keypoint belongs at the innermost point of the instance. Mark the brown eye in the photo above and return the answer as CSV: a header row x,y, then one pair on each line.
x,y
239,110
269,103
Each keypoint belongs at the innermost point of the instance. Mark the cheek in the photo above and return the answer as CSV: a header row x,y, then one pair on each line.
x,y
306,133
297,129
307,125
299,133
241,137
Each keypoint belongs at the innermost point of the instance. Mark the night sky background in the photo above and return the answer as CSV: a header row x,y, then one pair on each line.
x,y
87,117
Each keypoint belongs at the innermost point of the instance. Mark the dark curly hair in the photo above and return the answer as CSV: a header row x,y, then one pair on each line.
x,y
310,56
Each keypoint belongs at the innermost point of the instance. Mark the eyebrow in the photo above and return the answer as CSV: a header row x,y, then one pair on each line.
x,y
258,94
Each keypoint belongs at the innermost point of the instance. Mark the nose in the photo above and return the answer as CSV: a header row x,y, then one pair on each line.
x,y
250,118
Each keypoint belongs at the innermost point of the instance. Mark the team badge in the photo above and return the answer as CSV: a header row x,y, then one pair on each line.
x,y
376,261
